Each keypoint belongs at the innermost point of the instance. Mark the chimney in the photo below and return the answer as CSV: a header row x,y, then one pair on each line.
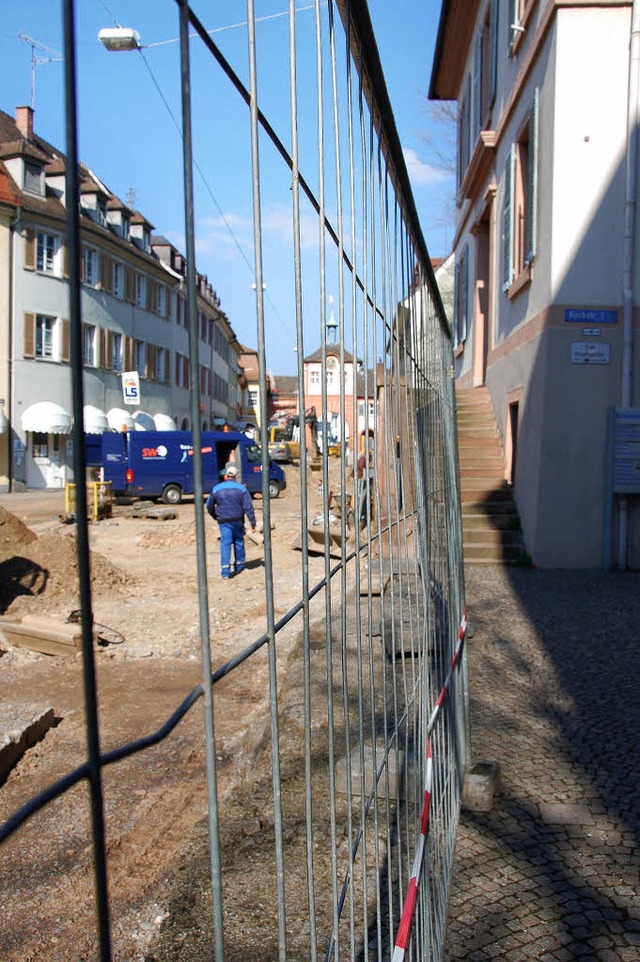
x,y
24,121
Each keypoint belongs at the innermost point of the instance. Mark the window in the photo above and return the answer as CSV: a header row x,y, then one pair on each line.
x,y
101,211
141,290
520,202
140,358
47,246
253,397
32,177
464,132
161,300
117,287
89,345
485,67
116,352
40,445
125,227
161,365
315,377
90,265
45,336
461,303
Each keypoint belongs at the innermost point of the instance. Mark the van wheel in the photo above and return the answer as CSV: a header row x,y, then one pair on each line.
x,y
274,489
172,494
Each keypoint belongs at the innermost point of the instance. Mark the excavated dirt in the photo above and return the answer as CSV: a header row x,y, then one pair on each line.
x,y
146,610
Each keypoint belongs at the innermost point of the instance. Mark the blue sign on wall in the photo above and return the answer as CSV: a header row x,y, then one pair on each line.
x,y
626,451
580,315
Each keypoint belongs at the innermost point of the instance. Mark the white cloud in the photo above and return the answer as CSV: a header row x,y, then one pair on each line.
x,y
421,174
278,220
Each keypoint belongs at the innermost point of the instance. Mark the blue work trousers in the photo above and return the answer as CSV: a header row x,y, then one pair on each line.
x,y
231,533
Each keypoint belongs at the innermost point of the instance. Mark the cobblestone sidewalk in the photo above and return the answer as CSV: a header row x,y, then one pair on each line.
x,y
553,871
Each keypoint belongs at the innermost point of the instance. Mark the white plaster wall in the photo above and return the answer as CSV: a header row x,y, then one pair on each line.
x,y
588,158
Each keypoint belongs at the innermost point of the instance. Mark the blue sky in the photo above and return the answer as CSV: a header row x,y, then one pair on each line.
x,y
127,103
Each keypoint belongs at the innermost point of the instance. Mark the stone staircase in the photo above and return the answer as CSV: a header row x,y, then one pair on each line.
x,y
490,525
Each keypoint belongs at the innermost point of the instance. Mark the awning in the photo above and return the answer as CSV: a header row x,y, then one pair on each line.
x,y
95,420
119,418
143,421
46,417
4,424
164,423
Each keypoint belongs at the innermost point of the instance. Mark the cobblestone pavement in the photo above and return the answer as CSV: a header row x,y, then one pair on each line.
x,y
553,871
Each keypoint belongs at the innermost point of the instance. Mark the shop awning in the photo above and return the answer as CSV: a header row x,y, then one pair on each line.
x,y
164,423
95,420
46,417
4,424
143,421
120,418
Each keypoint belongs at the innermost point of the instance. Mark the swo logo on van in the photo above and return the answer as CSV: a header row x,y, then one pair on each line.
x,y
159,452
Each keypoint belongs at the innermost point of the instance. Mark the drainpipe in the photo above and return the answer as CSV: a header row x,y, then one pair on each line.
x,y
628,278
14,227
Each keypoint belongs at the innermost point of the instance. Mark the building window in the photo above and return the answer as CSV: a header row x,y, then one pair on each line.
x,y
90,266
118,279
45,336
461,302
126,227
253,397
88,345
464,132
161,365
46,253
116,352
314,377
40,445
141,290
520,201
161,300
140,358
32,178
485,67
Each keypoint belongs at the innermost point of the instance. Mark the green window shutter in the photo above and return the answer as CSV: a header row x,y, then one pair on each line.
x,y
507,220
456,302
478,106
465,294
532,182
493,51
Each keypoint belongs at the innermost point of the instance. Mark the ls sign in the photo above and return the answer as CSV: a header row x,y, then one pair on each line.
x,y
131,387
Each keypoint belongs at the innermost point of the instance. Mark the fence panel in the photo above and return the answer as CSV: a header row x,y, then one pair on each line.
x,y
366,734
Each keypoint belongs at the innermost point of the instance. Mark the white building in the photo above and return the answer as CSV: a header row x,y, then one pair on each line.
x,y
543,93
133,313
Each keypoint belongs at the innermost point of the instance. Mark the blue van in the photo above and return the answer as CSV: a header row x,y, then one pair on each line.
x,y
159,464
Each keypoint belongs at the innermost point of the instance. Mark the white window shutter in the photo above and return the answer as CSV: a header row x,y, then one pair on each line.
x,y
507,219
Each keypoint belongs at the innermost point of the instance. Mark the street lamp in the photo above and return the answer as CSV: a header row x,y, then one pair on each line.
x,y
119,38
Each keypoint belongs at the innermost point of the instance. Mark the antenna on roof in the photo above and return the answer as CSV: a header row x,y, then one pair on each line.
x,y
36,61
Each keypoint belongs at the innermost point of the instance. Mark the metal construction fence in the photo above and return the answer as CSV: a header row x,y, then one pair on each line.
x,y
375,677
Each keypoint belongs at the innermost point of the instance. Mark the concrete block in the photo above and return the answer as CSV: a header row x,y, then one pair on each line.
x,y
481,784
400,774
43,635
21,726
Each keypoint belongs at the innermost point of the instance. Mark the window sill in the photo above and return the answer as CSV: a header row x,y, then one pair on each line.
x,y
521,281
458,351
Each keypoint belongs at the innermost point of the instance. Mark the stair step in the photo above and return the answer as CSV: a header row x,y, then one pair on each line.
x,y
490,554
491,535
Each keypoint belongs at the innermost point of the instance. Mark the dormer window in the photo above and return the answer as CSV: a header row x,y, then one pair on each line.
x,y
101,211
125,227
32,178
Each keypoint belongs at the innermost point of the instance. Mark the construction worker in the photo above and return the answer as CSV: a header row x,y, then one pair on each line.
x,y
228,503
